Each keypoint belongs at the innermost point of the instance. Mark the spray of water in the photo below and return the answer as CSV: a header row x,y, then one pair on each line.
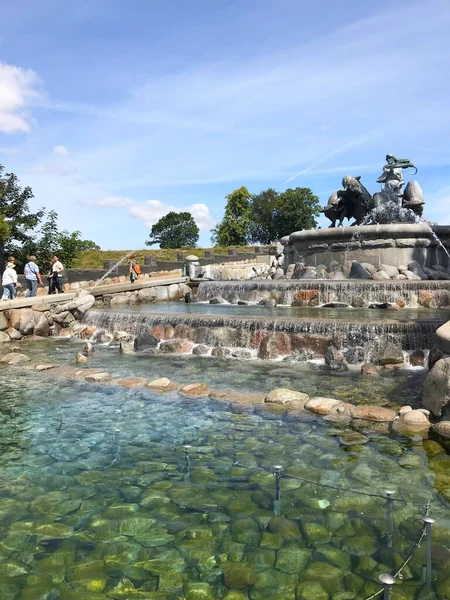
x,y
122,260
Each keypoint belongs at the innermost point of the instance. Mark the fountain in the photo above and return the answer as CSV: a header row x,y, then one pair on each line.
x,y
388,228
288,455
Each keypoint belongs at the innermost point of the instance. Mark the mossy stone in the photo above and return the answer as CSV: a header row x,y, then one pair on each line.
x,y
329,577
69,592
246,531
261,559
12,568
236,595
274,541
242,506
54,504
89,574
37,587
310,590
315,533
199,591
120,511
359,545
239,576
156,536
287,528
167,559
8,590
56,564
271,583
135,525
263,499
334,556
234,551
292,558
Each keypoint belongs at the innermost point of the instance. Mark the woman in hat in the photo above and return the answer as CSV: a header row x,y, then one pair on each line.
x,y
9,282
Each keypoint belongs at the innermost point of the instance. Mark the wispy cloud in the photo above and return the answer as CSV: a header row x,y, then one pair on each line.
x,y
110,201
61,170
19,88
61,150
152,210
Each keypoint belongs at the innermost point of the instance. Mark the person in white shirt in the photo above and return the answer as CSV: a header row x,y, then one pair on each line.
x,y
9,282
57,270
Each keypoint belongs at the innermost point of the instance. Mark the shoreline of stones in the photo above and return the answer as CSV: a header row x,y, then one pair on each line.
x,y
280,402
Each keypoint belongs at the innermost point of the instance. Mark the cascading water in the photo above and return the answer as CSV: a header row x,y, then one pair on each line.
x,y
290,333
286,292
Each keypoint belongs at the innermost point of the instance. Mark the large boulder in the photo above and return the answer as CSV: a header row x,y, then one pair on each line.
x,y
286,396
357,271
373,413
14,358
390,270
41,325
146,295
436,389
389,354
144,341
3,322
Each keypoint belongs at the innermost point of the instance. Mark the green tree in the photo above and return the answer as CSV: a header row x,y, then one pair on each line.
x,y
233,229
297,209
263,210
16,220
48,242
174,230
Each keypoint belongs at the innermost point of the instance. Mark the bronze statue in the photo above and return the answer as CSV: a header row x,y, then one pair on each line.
x,y
390,205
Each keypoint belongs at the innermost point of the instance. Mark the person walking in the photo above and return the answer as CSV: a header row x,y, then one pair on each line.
x,y
33,277
56,276
9,282
133,269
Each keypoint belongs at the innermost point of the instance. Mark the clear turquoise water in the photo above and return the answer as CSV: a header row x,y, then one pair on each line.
x,y
87,515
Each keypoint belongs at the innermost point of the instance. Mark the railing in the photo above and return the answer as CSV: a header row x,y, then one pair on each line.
x,y
388,499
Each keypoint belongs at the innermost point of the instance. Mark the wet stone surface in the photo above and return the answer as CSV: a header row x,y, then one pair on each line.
x,y
87,514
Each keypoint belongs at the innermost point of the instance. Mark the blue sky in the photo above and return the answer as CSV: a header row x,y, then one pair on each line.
x,y
116,112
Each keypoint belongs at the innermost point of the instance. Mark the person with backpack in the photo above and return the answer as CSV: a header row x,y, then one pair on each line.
x,y
33,277
135,269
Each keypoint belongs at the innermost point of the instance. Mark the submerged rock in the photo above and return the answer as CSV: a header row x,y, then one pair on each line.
x,y
239,576
286,528
286,396
14,358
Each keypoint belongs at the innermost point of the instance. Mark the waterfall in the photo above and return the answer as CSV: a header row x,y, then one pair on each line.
x,y
286,292
288,334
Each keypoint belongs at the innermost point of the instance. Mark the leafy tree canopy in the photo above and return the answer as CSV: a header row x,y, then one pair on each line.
x,y
265,217
174,230
233,229
23,233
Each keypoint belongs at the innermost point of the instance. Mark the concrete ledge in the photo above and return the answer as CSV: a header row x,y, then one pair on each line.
x,y
394,230
103,290
26,302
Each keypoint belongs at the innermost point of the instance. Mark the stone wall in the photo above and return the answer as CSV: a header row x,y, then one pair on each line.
x,y
396,244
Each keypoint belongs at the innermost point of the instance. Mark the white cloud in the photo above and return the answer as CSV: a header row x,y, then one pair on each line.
x,y
18,90
61,150
152,210
111,201
53,170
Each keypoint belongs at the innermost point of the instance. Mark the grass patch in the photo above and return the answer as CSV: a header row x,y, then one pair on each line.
x,y
93,259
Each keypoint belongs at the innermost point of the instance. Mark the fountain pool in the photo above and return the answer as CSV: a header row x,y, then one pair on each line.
x,y
96,501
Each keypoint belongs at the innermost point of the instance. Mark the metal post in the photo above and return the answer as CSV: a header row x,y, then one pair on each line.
x,y
389,522
388,581
116,445
277,502
187,465
428,524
